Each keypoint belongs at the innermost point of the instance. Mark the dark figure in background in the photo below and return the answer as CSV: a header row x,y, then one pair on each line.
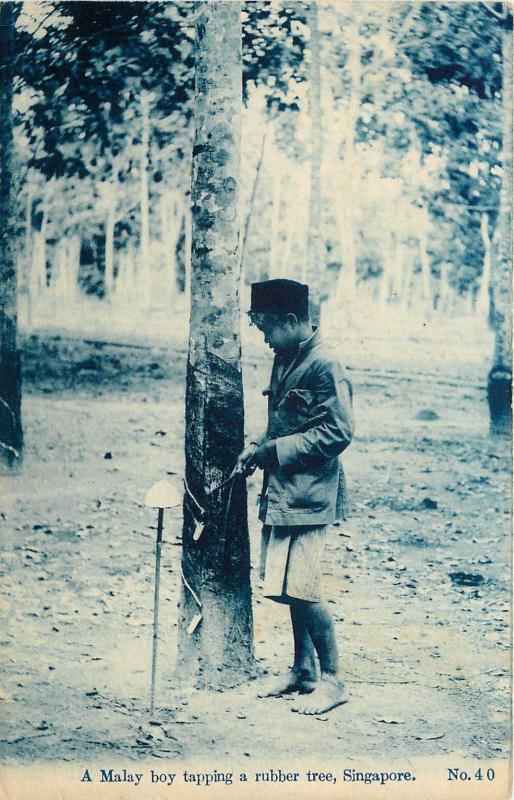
x,y
310,422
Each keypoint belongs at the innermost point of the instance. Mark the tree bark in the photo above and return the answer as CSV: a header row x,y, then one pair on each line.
x,y
144,201
426,278
291,220
274,270
171,219
385,289
109,249
216,567
482,299
11,434
499,386
347,280
37,276
443,300
28,236
253,195
109,203
315,257
188,233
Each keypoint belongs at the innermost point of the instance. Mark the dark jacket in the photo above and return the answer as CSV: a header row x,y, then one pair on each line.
x,y
310,418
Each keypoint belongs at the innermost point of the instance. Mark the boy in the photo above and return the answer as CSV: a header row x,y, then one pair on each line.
x,y
310,422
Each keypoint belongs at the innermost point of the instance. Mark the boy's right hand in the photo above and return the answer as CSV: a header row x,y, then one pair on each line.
x,y
245,461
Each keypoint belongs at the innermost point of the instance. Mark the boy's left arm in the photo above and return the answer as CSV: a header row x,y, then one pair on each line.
x,y
333,424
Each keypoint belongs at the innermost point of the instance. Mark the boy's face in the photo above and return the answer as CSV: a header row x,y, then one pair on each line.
x,y
279,334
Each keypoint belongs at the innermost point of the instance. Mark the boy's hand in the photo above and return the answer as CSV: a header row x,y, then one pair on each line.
x,y
266,455
245,460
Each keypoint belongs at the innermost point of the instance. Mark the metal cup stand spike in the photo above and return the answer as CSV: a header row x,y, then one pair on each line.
x,y
163,494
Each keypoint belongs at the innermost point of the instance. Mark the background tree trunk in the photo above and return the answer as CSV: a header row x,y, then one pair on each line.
x,y
275,270
144,259
315,259
27,249
109,249
251,202
188,246
171,219
426,277
482,300
499,387
349,176
11,435
37,276
217,566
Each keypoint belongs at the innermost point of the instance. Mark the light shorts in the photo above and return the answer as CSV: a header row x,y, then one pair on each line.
x,y
292,562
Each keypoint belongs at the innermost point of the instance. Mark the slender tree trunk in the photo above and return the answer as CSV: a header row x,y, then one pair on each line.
x,y
28,238
388,265
109,245
253,195
73,267
426,278
482,299
58,277
108,197
315,247
144,201
408,282
347,280
11,435
290,231
499,387
37,277
398,262
188,245
443,295
216,567
276,202
125,279
171,218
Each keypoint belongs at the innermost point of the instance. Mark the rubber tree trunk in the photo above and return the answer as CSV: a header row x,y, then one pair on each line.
x,y
315,259
109,248
443,301
216,566
144,200
28,235
482,300
171,219
274,270
426,278
37,276
11,435
499,385
290,230
188,233
253,195
349,176
388,264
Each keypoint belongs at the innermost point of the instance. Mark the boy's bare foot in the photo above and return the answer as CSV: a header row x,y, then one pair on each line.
x,y
330,692
286,684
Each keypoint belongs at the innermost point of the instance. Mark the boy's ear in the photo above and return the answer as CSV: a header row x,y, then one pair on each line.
x,y
292,320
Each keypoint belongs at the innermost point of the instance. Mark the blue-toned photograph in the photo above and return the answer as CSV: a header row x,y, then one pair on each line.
x,y
255,399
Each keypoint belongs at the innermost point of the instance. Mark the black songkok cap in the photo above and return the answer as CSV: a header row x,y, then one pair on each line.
x,y
280,296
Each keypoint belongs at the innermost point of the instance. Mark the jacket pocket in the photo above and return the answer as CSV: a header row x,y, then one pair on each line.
x,y
299,399
299,404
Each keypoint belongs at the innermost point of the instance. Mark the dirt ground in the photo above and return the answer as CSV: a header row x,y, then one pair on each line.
x,y
426,651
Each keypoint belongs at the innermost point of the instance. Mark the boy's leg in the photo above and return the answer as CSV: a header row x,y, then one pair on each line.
x,y
304,654
330,691
302,676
